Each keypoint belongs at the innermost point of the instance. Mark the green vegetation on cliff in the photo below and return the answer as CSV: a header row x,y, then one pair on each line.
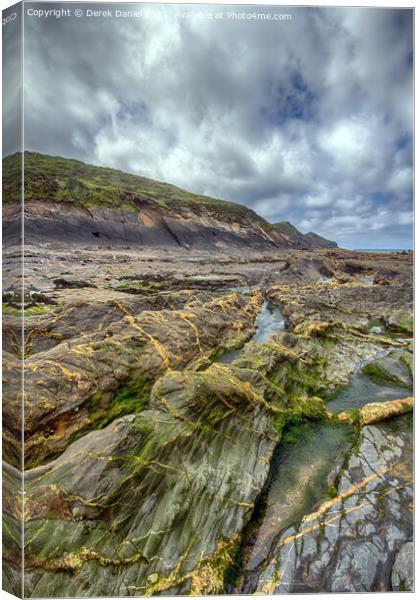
x,y
56,179
77,185
288,230
306,239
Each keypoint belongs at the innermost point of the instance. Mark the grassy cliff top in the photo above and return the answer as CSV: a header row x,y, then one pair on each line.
x,y
307,239
288,230
56,179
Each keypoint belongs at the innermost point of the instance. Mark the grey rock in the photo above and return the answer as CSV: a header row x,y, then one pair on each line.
x,y
402,577
349,543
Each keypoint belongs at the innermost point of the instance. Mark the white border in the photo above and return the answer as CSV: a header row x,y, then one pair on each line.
x,y
340,3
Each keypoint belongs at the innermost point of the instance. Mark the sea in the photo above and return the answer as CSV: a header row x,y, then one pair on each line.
x,y
388,250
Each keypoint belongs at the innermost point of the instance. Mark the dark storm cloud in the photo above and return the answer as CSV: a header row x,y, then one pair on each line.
x,y
308,120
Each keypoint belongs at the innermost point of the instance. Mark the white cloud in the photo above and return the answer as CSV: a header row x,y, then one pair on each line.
x,y
288,118
401,181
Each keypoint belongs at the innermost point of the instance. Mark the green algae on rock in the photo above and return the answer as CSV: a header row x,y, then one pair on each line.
x,y
64,385
395,368
201,450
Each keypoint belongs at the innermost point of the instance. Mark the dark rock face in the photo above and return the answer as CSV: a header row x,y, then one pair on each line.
x,y
304,240
316,241
101,227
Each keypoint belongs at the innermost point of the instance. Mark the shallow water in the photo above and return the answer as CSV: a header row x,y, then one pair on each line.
x,y
241,290
269,320
368,280
299,482
363,390
230,356
299,472
377,329
208,277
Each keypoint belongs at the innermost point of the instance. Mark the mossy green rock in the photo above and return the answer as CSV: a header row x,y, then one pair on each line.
x,y
77,386
150,503
136,507
394,368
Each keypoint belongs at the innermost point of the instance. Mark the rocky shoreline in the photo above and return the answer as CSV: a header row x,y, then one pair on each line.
x,y
153,453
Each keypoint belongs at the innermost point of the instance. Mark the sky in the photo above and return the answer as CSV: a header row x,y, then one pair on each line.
x,y
307,120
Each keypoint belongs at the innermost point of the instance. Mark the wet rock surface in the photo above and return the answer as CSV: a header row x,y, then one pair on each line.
x,y
164,390
86,381
402,576
394,368
352,542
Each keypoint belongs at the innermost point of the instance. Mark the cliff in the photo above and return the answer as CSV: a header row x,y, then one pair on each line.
x,y
306,240
69,201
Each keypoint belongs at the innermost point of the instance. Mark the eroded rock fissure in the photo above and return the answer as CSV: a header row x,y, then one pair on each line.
x,y
256,555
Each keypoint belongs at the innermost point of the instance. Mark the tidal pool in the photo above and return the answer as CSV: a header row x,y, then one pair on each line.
x,y
299,481
269,320
210,277
363,390
367,280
